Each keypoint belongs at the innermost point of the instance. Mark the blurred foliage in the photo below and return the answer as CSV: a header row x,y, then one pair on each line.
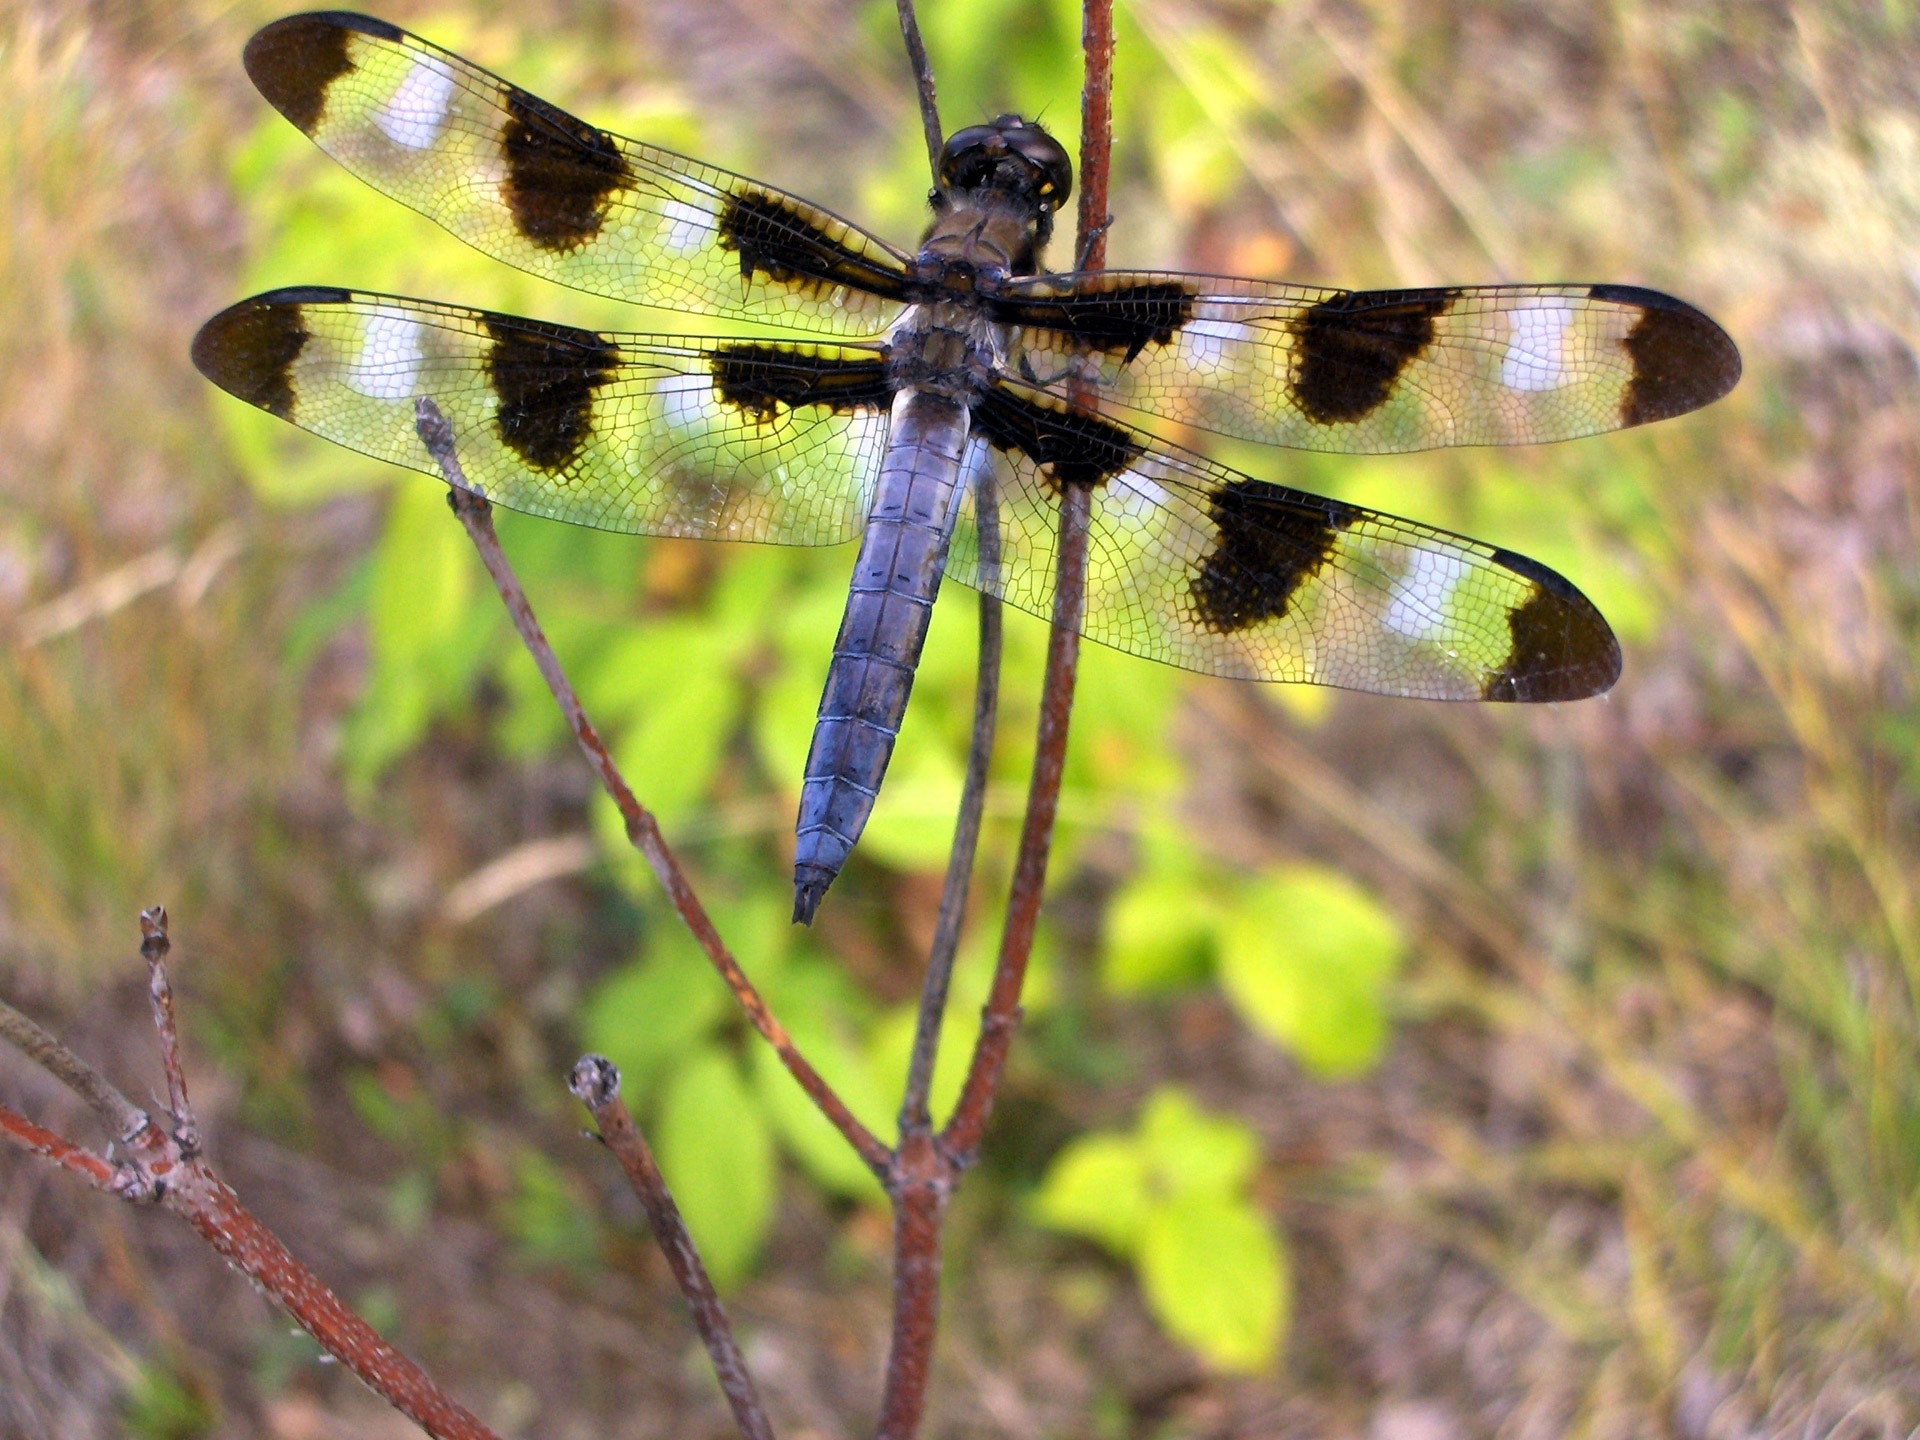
x,y
1171,1197
1643,1154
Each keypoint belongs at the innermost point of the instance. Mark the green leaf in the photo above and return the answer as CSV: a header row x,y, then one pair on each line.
x,y
679,681
1097,1186
1215,1275
647,1015
1307,958
717,1157
1160,933
427,630
1192,1152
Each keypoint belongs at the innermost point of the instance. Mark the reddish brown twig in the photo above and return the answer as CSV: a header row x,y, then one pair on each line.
x,y
961,1138
163,1167
476,514
597,1083
928,1167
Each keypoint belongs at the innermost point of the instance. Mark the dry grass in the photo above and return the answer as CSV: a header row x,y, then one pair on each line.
x,y
1645,1158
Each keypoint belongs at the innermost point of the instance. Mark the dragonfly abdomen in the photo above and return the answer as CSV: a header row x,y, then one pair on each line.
x,y
889,605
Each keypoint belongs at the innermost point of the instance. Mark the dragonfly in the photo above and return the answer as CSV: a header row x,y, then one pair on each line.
x,y
935,404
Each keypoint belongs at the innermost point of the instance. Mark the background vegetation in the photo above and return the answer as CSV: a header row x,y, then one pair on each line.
x,y
1535,1073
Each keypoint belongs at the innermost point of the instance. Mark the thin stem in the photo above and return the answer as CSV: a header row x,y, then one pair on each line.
x,y
597,1083
1096,133
961,1138
121,1116
914,1113
476,514
154,945
923,85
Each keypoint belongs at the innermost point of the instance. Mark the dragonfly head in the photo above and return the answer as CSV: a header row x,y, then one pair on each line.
x,y
1012,155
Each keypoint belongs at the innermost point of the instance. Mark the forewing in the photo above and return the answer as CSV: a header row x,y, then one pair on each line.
x,y
1200,566
1367,372
710,439
524,181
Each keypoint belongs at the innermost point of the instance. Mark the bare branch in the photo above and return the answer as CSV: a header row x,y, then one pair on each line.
x,y
476,514
961,1138
923,84
166,1168
597,1083
154,945
121,1116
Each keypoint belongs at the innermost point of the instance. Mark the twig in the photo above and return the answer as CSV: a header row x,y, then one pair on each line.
x,y
961,1138
154,945
927,1167
597,1083
914,1113
923,85
123,1119
476,514
1096,133
167,1169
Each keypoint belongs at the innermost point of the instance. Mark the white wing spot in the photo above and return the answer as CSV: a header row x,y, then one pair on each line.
x,y
690,404
1208,341
1537,354
688,228
417,110
1418,607
389,363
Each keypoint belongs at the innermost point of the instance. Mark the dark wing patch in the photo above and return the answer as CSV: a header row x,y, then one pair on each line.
x,y
764,380
1120,317
292,62
249,349
1679,364
561,174
545,376
781,239
1071,446
1270,541
1562,649
1353,349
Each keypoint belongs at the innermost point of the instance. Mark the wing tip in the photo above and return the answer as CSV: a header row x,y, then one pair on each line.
x,y
292,61
248,349
1562,647
1682,359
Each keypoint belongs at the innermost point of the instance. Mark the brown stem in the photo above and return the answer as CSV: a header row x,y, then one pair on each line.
x,y
154,945
927,1166
597,1083
914,1114
476,514
923,1182
923,84
121,1116
1096,133
961,1138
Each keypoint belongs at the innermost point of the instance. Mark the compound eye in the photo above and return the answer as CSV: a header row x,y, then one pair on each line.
x,y
973,137
1046,155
